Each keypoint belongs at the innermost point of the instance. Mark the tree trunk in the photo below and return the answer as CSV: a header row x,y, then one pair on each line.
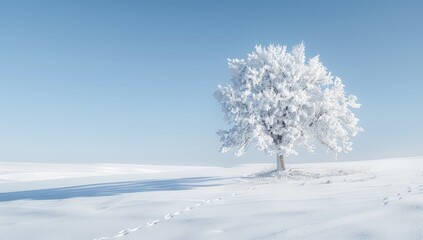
x,y
280,163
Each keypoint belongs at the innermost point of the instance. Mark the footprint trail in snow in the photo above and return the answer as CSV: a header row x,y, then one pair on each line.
x,y
170,215
410,189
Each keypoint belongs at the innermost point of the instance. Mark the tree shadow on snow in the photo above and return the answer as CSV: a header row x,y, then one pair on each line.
x,y
110,189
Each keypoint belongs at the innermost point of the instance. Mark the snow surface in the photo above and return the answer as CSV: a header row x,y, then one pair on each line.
x,y
379,199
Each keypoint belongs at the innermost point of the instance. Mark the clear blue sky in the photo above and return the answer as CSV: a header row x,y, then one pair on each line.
x,y
133,81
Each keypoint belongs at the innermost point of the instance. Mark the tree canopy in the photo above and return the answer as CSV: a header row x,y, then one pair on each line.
x,y
278,100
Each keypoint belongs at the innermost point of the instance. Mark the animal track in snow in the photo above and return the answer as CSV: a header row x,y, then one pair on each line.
x,y
151,223
400,195
170,215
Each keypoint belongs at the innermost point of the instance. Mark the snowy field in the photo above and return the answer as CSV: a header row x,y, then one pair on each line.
x,y
380,199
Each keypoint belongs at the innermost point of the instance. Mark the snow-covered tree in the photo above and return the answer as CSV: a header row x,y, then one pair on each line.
x,y
279,101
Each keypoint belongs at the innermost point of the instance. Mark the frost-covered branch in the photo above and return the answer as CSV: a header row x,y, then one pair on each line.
x,y
280,101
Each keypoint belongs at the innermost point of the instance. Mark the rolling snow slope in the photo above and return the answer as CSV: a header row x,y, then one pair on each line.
x,y
379,199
